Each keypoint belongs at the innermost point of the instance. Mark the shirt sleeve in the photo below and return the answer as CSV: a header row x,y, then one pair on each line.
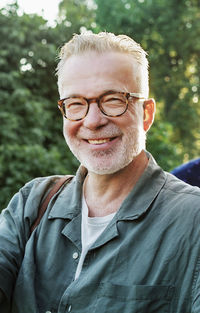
x,y
15,223
12,242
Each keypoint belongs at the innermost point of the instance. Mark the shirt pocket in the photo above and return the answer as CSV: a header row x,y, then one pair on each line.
x,y
134,299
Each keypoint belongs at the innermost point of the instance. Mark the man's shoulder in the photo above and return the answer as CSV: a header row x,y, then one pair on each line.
x,y
29,197
178,193
178,186
23,207
42,184
178,208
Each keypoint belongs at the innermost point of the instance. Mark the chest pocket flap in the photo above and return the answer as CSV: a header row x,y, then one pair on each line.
x,y
134,299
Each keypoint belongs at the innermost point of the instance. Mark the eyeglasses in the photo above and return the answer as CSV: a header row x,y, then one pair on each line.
x,y
111,104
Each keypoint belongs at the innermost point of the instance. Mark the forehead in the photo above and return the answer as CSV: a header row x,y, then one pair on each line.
x,y
100,72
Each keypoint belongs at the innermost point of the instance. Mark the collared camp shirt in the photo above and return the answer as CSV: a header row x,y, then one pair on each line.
x,y
146,260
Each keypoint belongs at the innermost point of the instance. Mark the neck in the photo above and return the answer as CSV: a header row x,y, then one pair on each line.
x,y
104,194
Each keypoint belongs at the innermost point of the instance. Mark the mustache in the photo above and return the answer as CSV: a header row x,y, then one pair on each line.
x,y
111,131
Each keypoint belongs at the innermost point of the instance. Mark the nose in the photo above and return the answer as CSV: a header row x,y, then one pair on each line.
x,y
94,118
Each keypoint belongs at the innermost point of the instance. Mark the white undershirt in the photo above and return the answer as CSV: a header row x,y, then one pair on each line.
x,y
91,229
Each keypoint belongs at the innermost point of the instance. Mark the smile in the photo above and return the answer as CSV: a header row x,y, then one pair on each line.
x,y
99,141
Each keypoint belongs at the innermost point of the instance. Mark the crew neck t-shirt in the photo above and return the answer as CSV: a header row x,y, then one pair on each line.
x,y
91,229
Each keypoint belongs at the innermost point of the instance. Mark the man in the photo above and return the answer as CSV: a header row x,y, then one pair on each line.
x,y
123,235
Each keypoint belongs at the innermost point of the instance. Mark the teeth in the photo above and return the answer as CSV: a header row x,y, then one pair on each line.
x,y
98,141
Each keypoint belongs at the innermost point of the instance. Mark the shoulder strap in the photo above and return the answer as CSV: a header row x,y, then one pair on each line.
x,y
43,206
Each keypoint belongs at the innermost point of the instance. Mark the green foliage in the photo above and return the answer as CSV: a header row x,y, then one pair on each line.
x,y
159,143
76,15
31,125
20,163
168,30
31,142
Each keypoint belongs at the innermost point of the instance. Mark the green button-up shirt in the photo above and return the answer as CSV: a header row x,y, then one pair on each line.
x,y
146,261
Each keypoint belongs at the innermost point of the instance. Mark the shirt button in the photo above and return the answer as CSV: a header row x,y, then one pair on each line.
x,y
70,308
75,256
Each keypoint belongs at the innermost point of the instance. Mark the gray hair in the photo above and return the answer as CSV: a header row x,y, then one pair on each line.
x,y
105,42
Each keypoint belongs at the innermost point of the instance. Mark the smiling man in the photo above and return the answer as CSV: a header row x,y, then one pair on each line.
x,y
122,235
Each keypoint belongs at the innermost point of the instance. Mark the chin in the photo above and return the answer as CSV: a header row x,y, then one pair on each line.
x,y
101,168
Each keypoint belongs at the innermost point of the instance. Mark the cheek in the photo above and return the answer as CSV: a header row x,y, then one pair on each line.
x,y
70,129
136,114
130,119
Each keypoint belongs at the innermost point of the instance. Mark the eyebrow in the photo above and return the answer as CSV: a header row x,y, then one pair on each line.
x,y
76,95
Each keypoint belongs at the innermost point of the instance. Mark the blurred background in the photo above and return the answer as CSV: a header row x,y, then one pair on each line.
x,y
31,141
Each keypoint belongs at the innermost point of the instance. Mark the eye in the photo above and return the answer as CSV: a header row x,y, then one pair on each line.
x,y
113,100
74,103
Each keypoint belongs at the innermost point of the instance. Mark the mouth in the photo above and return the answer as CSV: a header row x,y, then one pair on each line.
x,y
99,141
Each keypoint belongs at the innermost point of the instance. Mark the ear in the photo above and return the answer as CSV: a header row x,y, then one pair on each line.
x,y
149,113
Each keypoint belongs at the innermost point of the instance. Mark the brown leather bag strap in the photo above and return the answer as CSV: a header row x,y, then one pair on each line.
x,y
45,203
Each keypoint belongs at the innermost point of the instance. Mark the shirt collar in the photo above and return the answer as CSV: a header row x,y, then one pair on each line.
x,y
68,203
139,200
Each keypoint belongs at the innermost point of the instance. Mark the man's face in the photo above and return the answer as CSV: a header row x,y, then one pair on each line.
x,y
104,145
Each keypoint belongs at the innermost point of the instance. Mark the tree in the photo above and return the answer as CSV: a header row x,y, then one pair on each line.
x,y
168,30
77,15
31,126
